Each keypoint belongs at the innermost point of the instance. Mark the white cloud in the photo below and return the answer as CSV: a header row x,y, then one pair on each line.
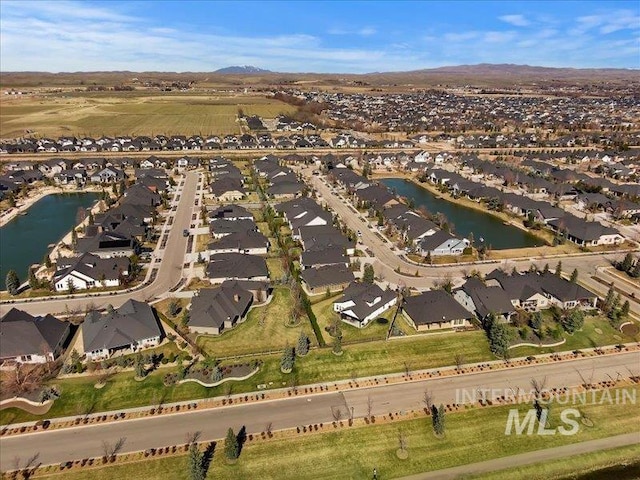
x,y
515,20
363,32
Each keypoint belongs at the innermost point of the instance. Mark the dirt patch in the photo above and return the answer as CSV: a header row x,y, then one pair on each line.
x,y
630,329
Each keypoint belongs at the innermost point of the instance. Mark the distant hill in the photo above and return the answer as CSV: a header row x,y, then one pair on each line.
x,y
242,70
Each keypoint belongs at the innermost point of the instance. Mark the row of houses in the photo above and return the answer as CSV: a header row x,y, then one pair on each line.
x,y
130,328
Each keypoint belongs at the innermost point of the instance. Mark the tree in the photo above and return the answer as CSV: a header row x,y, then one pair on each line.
x,y
287,360
574,276
231,450
337,343
545,269
216,374
47,261
122,187
141,372
174,308
536,323
558,271
573,321
33,281
624,310
303,344
627,263
91,220
197,464
635,271
369,274
74,238
437,419
607,303
499,339
12,282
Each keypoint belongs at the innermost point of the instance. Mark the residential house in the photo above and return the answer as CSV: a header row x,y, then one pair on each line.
x,y
28,339
129,328
227,266
484,300
435,310
89,271
327,277
361,303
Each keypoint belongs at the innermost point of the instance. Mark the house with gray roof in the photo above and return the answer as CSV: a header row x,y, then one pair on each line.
x,y
227,266
89,271
361,302
28,339
484,300
214,310
249,241
435,310
586,233
129,329
327,277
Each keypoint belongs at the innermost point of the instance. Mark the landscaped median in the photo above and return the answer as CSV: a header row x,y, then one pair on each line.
x,y
472,434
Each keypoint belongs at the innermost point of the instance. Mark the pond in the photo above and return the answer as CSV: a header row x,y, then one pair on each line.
x,y
465,220
25,240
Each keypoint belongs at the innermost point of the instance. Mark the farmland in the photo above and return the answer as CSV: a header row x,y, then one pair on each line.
x,y
130,113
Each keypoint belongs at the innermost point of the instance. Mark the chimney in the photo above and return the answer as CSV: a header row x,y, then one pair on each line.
x,y
236,297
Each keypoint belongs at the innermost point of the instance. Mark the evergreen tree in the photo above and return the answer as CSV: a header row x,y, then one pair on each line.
x,y
558,271
74,238
216,374
12,282
546,268
287,360
624,310
47,261
33,280
536,323
139,367
607,303
437,419
122,187
635,271
197,465
337,343
369,274
573,321
303,344
499,339
574,276
231,450
91,220
627,263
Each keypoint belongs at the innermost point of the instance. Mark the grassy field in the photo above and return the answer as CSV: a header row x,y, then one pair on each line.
x,y
586,466
264,330
334,454
597,331
131,114
376,330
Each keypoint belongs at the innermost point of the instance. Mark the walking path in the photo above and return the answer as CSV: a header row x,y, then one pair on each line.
x,y
528,458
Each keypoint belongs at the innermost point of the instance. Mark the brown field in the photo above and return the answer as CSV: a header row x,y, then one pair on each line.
x,y
130,113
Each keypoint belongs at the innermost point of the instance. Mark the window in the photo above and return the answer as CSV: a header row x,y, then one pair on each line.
x,y
458,323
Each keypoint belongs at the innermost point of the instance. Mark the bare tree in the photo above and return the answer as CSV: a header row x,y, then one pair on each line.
x,y
428,399
110,450
402,441
538,386
369,406
192,437
268,428
336,412
407,369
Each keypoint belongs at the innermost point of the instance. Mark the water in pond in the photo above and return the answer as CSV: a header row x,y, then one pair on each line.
x,y
465,220
26,239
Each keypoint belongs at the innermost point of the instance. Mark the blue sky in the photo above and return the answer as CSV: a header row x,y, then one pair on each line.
x,y
336,36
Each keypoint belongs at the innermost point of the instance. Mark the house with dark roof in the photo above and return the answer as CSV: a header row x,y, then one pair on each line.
x,y
107,244
435,310
330,277
249,241
483,300
361,302
442,243
322,237
230,212
221,227
130,328
323,256
303,212
227,189
586,233
89,271
214,310
28,339
228,266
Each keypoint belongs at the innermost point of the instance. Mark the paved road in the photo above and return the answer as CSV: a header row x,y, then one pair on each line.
x,y
86,441
168,276
528,458
386,260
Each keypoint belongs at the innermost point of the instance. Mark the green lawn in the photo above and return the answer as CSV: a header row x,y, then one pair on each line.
x,y
471,436
576,467
588,337
274,265
376,330
264,330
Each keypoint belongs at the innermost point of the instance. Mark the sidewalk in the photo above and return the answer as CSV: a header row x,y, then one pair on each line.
x,y
528,458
